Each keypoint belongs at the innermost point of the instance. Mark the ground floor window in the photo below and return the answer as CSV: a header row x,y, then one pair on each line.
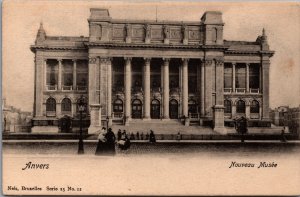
x,y
155,109
51,105
118,105
173,109
192,107
240,107
66,105
227,106
136,109
254,107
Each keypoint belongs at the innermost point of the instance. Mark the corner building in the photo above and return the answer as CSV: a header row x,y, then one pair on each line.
x,y
131,70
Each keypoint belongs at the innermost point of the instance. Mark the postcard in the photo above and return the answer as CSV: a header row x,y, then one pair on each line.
x,y
150,98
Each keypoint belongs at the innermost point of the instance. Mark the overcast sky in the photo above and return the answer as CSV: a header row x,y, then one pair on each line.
x,y
243,21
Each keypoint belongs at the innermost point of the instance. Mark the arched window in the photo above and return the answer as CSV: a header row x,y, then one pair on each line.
x,y
66,105
192,106
118,105
227,105
254,107
240,107
51,105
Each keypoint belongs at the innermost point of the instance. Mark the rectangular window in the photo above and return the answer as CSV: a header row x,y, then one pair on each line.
x,y
240,76
82,75
227,75
254,76
52,73
67,73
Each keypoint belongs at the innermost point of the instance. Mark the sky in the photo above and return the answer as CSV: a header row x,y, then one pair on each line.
x,y
243,21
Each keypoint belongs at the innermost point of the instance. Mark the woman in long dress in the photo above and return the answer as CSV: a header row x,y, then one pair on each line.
x,y
102,145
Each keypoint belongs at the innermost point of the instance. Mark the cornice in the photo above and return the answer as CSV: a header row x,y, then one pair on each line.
x,y
237,52
155,45
33,48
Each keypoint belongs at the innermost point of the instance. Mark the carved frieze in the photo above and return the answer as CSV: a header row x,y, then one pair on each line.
x,y
156,33
118,32
194,34
175,34
138,32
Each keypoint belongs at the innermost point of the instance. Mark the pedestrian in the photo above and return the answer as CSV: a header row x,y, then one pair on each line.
x,y
124,142
119,134
152,137
138,136
283,138
142,136
178,137
101,146
132,136
110,140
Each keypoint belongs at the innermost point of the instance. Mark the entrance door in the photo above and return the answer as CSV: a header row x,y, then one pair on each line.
x,y
173,107
155,109
136,109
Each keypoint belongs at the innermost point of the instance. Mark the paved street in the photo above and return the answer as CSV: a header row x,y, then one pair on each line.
x,y
233,147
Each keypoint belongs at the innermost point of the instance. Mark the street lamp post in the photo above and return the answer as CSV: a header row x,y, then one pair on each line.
x,y
107,119
81,108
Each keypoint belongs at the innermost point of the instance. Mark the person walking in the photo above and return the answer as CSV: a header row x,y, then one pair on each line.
x,y
283,138
124,143
152,137
101,146
119,134
110,140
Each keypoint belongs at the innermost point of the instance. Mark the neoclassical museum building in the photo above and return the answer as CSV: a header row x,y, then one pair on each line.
x,y
142,70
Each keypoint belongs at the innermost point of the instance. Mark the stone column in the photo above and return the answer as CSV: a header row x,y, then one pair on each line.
x,y
202,89
219,107
185,95
109,90
247,77
127,89
166,90
147,89
233,77
265,84
208,87
59,83
94,107
92,80
74,74
95,116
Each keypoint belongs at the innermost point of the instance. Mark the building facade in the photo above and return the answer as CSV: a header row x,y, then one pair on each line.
x,y
151,70
288,117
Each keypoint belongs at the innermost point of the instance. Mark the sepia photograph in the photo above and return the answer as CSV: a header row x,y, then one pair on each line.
x,y
150,98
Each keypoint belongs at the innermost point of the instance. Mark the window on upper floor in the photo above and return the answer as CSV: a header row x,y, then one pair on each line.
x,y
52,74
254,76
227,75
82,75
240,75
67,74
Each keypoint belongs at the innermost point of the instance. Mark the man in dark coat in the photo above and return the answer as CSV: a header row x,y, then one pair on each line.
x,y
152,137
110,140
